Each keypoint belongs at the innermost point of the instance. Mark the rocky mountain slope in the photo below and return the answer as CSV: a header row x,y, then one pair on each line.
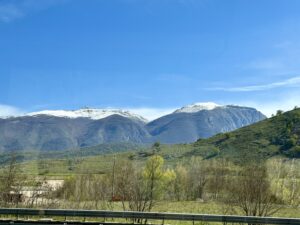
x,y
59,131
201,121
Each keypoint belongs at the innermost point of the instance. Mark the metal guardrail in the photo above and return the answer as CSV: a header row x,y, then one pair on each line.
x,y
149,216
38,222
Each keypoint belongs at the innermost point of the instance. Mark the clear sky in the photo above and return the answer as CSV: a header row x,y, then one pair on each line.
x,y
150,56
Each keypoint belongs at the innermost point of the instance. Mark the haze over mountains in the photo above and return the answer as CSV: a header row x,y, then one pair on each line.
x,y
61,129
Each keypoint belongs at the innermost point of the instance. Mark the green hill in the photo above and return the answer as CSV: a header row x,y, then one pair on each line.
x,y
278,135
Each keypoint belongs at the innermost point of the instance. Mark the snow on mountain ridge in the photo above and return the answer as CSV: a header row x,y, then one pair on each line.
x,y
94,114
196,107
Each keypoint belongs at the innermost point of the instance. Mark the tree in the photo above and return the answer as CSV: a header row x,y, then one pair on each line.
x,y
126,178
293,183
180,183
11,183
198,177
217,180
100,192
153,175
251,192
84,189
140,188
156,148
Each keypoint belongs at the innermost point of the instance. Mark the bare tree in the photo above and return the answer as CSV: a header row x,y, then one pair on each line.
x,y
218,171
131,188
138,189
12,182
293,184
181,186
251,192
198,177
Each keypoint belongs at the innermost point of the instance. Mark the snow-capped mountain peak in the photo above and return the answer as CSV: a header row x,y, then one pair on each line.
x,y
196,107
91,113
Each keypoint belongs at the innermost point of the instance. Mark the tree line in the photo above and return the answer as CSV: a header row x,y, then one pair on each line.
x,y
255,189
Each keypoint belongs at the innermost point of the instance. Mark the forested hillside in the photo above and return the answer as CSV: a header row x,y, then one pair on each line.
x,y
278,135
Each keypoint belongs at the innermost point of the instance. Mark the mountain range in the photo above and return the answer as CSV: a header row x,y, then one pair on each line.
x,y
61,129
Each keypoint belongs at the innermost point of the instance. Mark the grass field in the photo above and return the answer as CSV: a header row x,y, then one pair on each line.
x,y
97,164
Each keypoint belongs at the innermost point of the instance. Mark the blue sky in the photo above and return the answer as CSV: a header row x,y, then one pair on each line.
x,y
149,56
